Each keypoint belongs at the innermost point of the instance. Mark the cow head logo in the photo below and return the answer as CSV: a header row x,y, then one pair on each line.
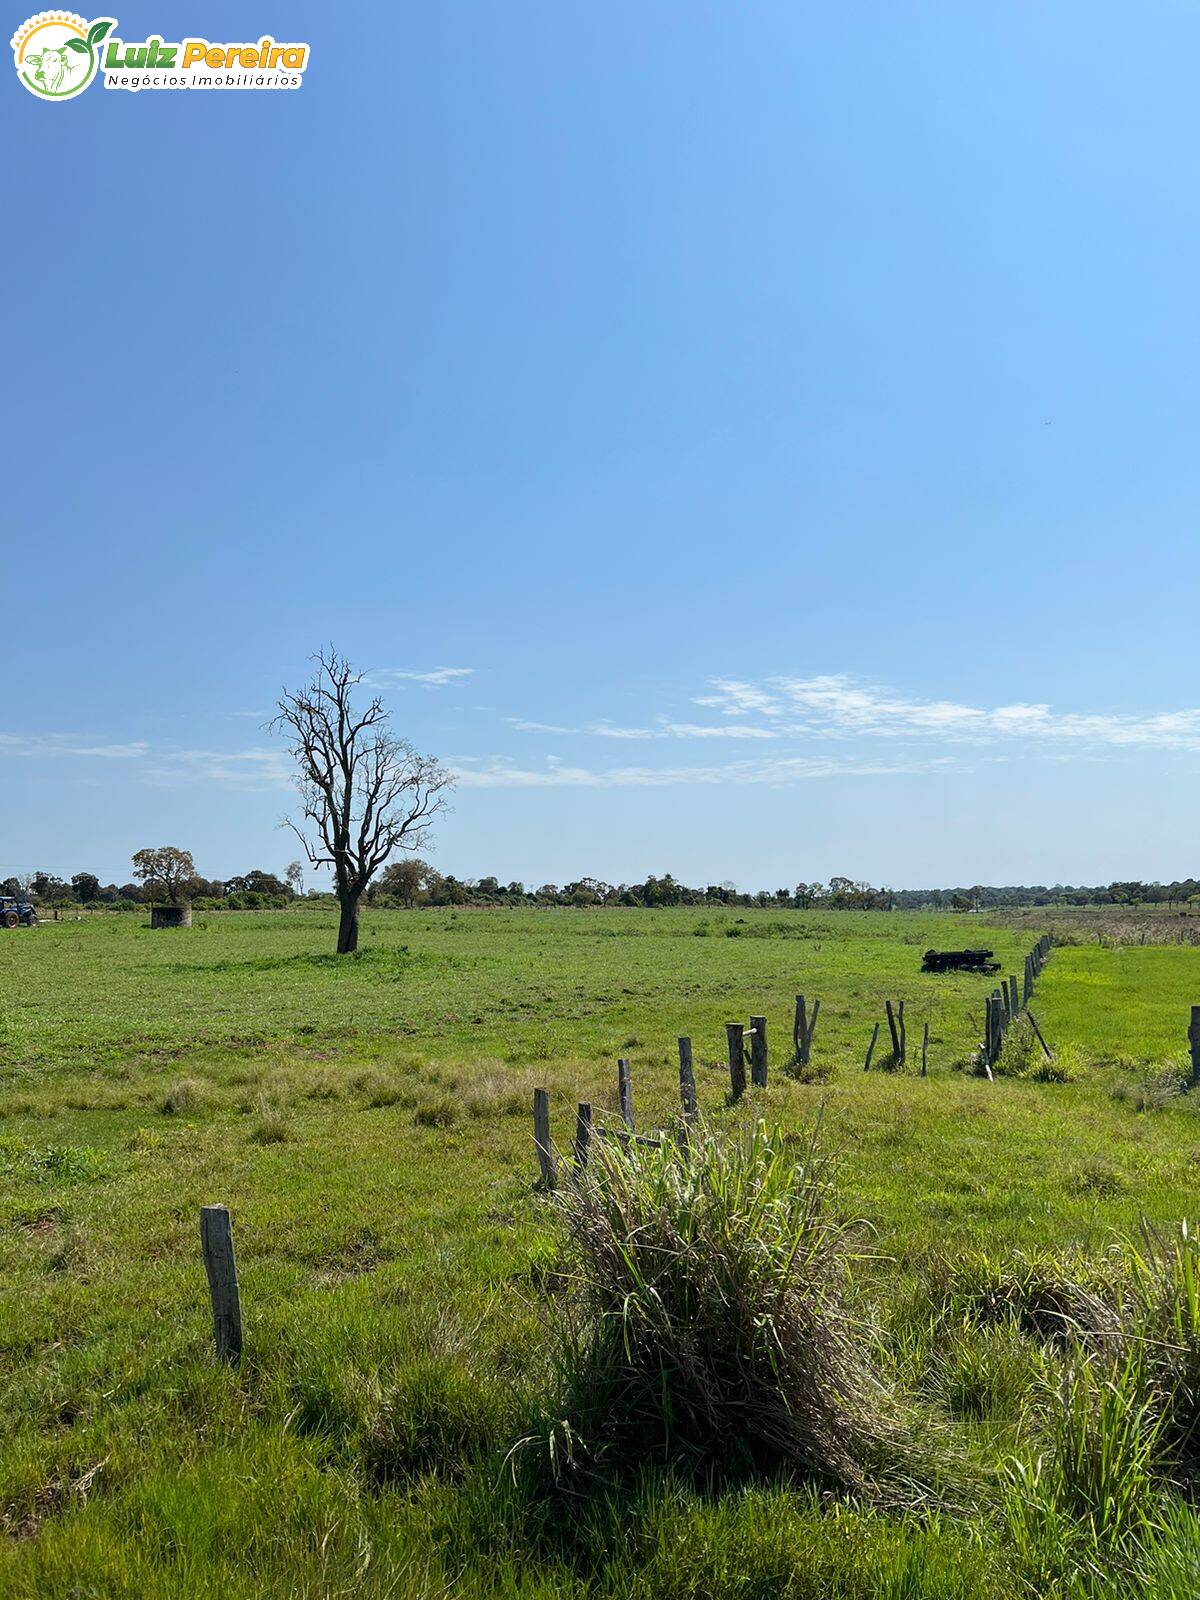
x,y
57,54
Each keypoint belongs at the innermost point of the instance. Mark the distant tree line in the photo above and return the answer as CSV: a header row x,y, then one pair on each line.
x,y
257,890
413,882
168,874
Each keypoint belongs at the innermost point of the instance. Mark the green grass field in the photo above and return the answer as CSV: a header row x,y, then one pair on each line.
x,y
367,1120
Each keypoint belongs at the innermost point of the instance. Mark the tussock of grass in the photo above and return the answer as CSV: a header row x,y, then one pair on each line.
x,y
1153,1091
439,1417
440,1113
706,1323
1053,1298
186,1097
272,1127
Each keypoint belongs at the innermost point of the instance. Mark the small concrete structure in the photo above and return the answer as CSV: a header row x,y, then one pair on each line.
x,y
171,916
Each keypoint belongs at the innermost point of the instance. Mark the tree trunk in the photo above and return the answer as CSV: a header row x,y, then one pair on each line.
x,y
348,926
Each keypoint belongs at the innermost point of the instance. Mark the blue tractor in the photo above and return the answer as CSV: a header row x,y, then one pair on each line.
x,y
16,913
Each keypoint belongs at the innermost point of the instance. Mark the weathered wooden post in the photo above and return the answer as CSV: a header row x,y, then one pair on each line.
x,y
541,1137
924,1050
1028,994
903,1036
871,1048
803,1029
811,1031
583,1134
687,1079
625,1093
216,1246
1038,1031
891,1022
1014,1004
758,1052
737,1058
1194,1045
989,1028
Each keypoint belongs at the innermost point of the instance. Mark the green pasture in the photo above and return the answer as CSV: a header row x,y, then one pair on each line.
x,y
367,1120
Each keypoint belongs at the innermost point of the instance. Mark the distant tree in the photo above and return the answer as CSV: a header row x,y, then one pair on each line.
x,y
165,870
365,792
294,873
404,879
257,882
51,891
86,886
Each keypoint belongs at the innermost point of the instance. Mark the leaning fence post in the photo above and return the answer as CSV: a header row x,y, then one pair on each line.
x,y
799,1030
1040,1040
687,1079
871,1048
737,1058
583,1133
216,1246
758,1052
541,1136
625,1093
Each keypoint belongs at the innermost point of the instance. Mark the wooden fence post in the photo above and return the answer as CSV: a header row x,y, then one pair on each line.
x,y
1040,1040
687,1079
583,1134
924,1049
758,1052
216,1246
625,1093
891,1022
803,1030
541,1136
1014,1004
903,1036
1194,1043
871,1048
812,1028
737,1058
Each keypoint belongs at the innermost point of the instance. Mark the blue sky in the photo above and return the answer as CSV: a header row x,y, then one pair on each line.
x,y
751,441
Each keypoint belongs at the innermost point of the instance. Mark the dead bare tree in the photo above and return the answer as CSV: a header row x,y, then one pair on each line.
x,y
365,792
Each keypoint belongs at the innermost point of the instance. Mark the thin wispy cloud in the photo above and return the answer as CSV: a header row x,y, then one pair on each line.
x,y
497,773
59,744
663,729
839,706
523,725
254,769
434,678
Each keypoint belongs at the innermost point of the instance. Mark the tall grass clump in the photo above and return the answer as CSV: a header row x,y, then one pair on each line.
x,y
705,1324
1165,1319
1090,1507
